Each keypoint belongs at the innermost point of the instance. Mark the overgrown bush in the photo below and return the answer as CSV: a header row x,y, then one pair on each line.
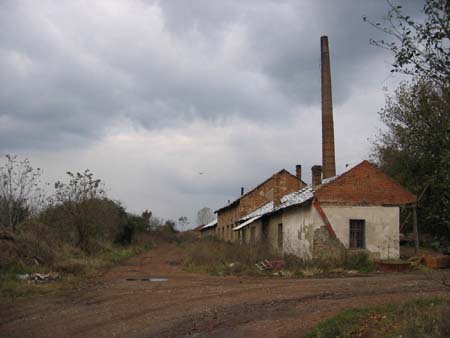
x,y
359,260
94,221
32,244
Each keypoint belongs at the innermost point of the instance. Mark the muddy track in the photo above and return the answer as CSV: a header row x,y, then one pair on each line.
x,y
212,323
196,305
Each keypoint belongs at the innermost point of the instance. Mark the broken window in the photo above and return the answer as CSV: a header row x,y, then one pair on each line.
x,y
357,234
280,236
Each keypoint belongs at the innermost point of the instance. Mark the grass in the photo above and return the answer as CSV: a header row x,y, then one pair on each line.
x,y
217,257
419,318
73,269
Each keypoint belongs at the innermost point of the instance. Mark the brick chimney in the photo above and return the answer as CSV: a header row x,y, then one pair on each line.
x,y
242,191
328,159
298,171
277,191
316,175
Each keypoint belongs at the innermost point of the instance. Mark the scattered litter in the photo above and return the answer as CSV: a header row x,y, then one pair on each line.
x,y
416,260
267,265
146,279
39,277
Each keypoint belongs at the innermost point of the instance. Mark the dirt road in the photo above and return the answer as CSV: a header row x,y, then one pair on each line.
x,y
194,305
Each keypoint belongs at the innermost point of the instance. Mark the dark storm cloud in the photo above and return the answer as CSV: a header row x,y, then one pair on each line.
x,y
72,68
163,90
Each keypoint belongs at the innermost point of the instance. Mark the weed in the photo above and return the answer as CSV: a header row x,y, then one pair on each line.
x,y
419,318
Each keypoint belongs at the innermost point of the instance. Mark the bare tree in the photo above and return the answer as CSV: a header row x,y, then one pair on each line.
x,y
204,216
77,198
147,215
21,192
183,223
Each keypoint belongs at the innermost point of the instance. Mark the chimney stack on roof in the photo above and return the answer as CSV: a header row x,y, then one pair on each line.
x,y
316,171
277,191
242,191
328,158
298,171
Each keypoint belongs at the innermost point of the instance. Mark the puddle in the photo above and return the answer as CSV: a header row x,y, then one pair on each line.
x,y
147,279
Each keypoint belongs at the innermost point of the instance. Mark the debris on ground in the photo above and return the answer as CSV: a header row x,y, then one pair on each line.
x,y
39,277
267,265
393,266
437,262
416,260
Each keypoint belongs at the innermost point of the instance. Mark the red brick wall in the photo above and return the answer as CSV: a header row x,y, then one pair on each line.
x,y
256,198
366,185
267,192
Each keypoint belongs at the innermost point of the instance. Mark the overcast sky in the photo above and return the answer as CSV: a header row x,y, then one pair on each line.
x,y
149,94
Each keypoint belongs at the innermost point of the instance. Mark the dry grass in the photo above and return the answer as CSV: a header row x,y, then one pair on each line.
x,y
223,258
416,319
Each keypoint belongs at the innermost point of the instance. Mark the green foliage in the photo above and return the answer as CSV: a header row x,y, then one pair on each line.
x,y
339,325
415,148
83,212
86,223
358,261
420,48
419,318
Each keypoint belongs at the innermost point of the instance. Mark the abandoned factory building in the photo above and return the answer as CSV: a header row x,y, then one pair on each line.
x,y
356,210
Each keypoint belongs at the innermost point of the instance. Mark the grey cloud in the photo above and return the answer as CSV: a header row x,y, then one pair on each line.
x,y
237,81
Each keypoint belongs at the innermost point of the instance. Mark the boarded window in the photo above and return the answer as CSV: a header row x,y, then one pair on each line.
x,y
280,236
357,233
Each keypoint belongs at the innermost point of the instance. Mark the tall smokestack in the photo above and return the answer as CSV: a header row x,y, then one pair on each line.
x,y
328,159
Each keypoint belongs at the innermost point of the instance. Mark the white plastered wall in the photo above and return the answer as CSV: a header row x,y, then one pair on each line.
x,y
299,224
381,227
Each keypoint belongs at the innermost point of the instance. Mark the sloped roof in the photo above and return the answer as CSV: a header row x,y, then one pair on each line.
x,y
294,198
365,184
209,225
236,201
362,184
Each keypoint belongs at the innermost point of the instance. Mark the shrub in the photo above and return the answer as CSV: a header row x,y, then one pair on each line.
x,y
358,261
93,221
32,244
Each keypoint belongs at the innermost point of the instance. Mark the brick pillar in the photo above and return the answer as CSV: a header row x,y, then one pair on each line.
x,y
328,158
316,175
298,171
277,191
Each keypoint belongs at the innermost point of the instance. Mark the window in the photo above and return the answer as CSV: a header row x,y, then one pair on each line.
x,y
357,233
280,236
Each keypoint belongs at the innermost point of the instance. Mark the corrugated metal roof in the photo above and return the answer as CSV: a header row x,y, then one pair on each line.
x,y
210,224
294,198
243,225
